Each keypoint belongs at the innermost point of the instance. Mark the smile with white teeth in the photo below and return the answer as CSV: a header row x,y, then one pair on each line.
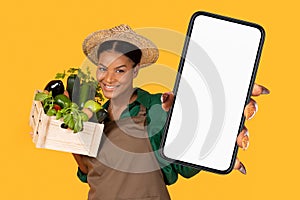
x,y
110,86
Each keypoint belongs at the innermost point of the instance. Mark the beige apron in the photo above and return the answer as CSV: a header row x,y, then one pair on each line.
x,y
125,167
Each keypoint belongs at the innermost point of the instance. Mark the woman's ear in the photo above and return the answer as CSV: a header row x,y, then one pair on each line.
x,y
136,70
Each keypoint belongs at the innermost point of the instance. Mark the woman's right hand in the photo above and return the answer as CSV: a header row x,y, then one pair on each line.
x,y
80,163
167,99
250,110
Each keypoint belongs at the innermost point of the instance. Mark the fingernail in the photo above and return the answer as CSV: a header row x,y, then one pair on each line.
x,y
252,111
242,169
265,90
245,143
245,140
256,106
247,132
164,97
252,115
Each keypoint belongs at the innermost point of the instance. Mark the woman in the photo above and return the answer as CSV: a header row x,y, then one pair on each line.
x,y
128,165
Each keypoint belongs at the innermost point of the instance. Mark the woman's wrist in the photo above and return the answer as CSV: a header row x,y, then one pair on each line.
x,y
80,163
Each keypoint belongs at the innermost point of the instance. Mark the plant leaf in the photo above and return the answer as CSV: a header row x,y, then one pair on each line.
x,y
67,118
72,70
60,75
58,115
71,123
84,116
51,112
74,106
76,127
41,96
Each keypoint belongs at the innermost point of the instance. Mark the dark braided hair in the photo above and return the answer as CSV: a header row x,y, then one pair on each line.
x,y
125,48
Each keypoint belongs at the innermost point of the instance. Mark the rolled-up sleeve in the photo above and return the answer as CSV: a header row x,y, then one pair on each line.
x,y
156,119
186,172
82,176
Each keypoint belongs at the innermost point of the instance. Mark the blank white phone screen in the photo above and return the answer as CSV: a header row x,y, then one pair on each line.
x,y
212,92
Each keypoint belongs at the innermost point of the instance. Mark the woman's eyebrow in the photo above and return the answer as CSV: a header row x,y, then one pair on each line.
x,y
120,66
100,64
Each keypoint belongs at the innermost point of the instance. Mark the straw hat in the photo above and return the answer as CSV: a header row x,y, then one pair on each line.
x,y
125,33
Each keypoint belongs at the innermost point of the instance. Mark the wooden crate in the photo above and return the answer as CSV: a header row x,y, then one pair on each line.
x,y
48,134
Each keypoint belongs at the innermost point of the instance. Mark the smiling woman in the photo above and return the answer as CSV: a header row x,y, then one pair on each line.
x,y
128,164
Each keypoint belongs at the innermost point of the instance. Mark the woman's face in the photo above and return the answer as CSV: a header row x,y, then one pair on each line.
x,y
115,74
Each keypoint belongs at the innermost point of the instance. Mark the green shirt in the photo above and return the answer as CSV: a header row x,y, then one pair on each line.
x,y
156,118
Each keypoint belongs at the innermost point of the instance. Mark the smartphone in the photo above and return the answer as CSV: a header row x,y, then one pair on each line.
x,y
213,85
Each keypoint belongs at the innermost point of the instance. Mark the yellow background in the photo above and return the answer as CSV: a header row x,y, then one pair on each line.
x,y
40,38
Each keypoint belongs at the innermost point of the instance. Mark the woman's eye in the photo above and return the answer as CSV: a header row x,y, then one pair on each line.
x,y
120,71
102,69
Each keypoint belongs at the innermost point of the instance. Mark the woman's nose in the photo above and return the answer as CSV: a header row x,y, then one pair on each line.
x,y
108,77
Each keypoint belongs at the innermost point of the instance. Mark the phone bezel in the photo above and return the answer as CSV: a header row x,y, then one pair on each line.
x,y
177,82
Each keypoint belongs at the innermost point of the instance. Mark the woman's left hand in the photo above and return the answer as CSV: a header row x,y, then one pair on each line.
x,y
249,111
